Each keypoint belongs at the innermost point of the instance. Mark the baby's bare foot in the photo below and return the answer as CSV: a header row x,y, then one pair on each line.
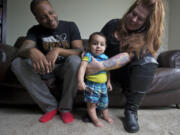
x,y
98,124
109,120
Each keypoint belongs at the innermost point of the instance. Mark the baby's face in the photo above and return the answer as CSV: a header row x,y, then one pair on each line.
x,y
97,45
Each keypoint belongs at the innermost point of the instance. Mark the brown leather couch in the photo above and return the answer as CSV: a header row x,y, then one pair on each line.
x,y
164,91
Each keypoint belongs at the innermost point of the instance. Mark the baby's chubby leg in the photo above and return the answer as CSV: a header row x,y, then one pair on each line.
x,y
91,108
106,116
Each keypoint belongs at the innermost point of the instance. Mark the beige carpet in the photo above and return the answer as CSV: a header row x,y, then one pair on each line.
x,y
24,121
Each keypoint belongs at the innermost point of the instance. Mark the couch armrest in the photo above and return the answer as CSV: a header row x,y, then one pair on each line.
x,y
169,59
7,54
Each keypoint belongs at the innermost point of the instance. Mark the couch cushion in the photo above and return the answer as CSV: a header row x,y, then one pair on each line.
x,y
7,54
165,79
170,59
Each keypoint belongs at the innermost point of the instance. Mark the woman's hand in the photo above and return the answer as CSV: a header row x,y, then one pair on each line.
x,y
114,62
94,67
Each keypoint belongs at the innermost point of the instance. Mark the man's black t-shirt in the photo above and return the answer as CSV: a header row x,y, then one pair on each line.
x,y
47,39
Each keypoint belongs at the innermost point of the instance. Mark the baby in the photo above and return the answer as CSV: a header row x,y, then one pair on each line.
x,y
96,85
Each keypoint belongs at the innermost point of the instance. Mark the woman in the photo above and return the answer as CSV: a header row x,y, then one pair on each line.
x,y
135,38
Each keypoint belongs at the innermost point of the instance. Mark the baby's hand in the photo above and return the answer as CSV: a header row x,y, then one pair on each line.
x,y
81,86
109,86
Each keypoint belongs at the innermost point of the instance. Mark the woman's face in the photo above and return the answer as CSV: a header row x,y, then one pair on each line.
x,y
136,18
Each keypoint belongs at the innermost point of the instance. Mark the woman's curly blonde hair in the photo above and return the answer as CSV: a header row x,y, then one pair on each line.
x,y
150,37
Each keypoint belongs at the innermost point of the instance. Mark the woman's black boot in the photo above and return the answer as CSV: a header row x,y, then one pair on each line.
x,y
131,121
134,100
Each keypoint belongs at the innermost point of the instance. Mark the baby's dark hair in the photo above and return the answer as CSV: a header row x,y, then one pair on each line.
x,y
96,33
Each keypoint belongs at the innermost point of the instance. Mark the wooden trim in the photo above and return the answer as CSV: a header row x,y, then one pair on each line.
x,y
3,5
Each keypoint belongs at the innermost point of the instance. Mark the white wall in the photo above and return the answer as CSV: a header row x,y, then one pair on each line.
x,y
165,37
174,28
19,19
89,15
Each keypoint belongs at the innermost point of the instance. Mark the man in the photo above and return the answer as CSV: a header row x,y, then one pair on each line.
x,y
52,48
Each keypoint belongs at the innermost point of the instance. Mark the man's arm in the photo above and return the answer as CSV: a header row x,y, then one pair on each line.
x,y
38,59
77,48
51,56
25,48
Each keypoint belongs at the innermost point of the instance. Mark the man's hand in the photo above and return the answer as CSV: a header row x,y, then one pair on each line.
x,y
51,58
39,61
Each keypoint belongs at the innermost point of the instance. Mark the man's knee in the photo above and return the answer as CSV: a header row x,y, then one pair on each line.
x,y
19,64
15,61
73,58
73,61
16,64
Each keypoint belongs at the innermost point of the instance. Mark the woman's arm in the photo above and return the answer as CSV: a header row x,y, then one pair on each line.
x,y
115,62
